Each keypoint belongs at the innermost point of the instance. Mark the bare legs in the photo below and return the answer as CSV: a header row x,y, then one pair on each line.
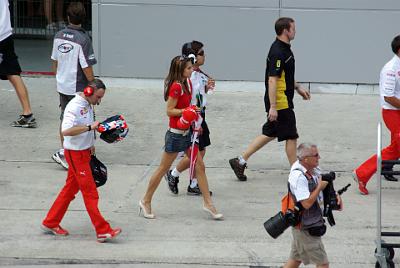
x,y
256,145
203,183
262,140
291,154
48,11
166,161
185,162
22,93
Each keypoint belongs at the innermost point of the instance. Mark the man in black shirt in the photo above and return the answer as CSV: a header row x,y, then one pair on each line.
x,y
279,91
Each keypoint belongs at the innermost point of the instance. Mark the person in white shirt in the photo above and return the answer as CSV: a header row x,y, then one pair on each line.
x,y
11,70
73,58
78,127
389,86
306,187
202,83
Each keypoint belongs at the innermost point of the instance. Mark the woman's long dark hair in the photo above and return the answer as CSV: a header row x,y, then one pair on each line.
x,y
175,74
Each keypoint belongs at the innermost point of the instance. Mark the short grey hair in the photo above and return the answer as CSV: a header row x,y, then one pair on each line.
x,y
304,149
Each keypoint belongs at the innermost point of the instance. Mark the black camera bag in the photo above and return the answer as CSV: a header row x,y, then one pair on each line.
x,y
317,230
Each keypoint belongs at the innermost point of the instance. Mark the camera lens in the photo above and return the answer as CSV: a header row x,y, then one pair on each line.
x,y
276,225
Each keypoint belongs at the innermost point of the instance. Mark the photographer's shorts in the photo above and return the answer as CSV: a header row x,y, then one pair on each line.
x,y
307,249
8,59
175,143
64,99
204,138
284,128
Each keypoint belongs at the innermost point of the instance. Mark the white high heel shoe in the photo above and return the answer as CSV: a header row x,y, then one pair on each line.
x,y
146,215
215,216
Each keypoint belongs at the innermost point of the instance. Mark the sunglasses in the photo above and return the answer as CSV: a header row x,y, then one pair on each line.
x,y
314,155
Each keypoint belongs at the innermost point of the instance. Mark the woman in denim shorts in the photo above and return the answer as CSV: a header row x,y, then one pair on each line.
x,y
177,94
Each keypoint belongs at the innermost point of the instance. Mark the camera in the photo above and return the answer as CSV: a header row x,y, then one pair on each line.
x,y
330,196
277,224
330,199
329,177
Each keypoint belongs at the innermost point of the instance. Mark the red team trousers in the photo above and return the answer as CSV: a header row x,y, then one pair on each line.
x,y
79,178
392,152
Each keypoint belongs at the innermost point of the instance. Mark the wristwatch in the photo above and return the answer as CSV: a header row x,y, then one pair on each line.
x,y
89,127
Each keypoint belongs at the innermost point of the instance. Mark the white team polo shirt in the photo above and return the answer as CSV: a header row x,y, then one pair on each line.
x,y
78,112
299,183
73,51
389,82
199,82
5,22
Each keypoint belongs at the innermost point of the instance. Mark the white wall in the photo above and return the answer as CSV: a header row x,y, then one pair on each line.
x,y
337,41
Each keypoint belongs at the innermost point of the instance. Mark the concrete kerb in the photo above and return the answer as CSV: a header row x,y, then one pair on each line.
x,y
250,86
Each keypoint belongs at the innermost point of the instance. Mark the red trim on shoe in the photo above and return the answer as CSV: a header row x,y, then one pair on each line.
x,y
362,188
101,238
55,231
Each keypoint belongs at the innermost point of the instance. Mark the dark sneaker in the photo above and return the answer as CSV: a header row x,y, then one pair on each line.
x,y
195,190
25,122
172,182
238,169
391,178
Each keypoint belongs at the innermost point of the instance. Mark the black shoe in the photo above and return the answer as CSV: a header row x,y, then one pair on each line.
x,y
25,122
195,190
238,169
172,182
391,178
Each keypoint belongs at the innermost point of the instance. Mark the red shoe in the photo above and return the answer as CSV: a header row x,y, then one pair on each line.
x,y
362,187
55,231
101,238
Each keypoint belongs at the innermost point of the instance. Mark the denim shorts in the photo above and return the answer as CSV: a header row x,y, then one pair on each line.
x,y
175,143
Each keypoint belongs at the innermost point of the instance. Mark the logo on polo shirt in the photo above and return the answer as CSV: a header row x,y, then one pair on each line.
x,y
84,111
391,74
65,48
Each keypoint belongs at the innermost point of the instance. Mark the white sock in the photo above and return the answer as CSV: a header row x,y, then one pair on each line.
x,y
61,152
193,183
175,173
241,160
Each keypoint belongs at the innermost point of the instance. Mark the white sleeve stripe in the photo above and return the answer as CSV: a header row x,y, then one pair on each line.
x,y
82,59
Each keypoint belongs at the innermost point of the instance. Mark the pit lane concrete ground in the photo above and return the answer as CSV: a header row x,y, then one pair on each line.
x,y
343,125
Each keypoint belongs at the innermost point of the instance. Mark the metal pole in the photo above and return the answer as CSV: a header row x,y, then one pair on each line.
x,y
381,258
